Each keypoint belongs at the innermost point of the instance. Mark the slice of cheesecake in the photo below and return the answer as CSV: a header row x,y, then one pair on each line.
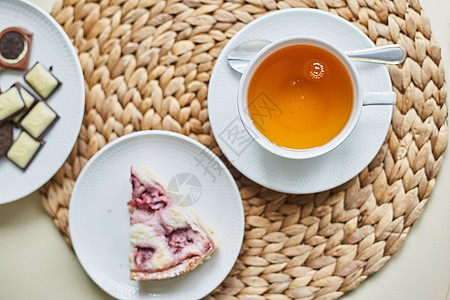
x,y
166,240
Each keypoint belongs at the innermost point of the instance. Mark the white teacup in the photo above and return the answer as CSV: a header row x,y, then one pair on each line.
x,y
360,98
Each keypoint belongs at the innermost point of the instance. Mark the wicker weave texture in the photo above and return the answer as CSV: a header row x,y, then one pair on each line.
x,y
147,65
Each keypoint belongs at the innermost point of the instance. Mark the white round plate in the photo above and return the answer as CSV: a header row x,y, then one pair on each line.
x,y
290,175
99,217
50,46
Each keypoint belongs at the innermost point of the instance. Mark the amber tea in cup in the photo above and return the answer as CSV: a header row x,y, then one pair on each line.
x,y
300,97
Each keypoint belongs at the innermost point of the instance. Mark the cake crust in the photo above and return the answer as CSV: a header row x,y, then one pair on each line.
x,y
184,267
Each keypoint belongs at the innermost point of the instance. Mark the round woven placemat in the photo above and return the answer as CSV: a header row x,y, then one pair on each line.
x,y
147,65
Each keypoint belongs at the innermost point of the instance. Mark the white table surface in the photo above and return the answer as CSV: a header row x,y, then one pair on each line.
x,y
36,262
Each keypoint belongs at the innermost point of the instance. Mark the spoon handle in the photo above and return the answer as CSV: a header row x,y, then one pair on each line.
x,y
390,54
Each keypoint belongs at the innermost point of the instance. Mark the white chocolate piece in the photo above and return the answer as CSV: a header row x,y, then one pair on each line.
x,y
23,149
28,99
41,80
38,119
10,103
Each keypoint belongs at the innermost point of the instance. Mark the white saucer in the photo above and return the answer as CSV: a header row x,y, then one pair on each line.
x,y
99,217
50,46
289,175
